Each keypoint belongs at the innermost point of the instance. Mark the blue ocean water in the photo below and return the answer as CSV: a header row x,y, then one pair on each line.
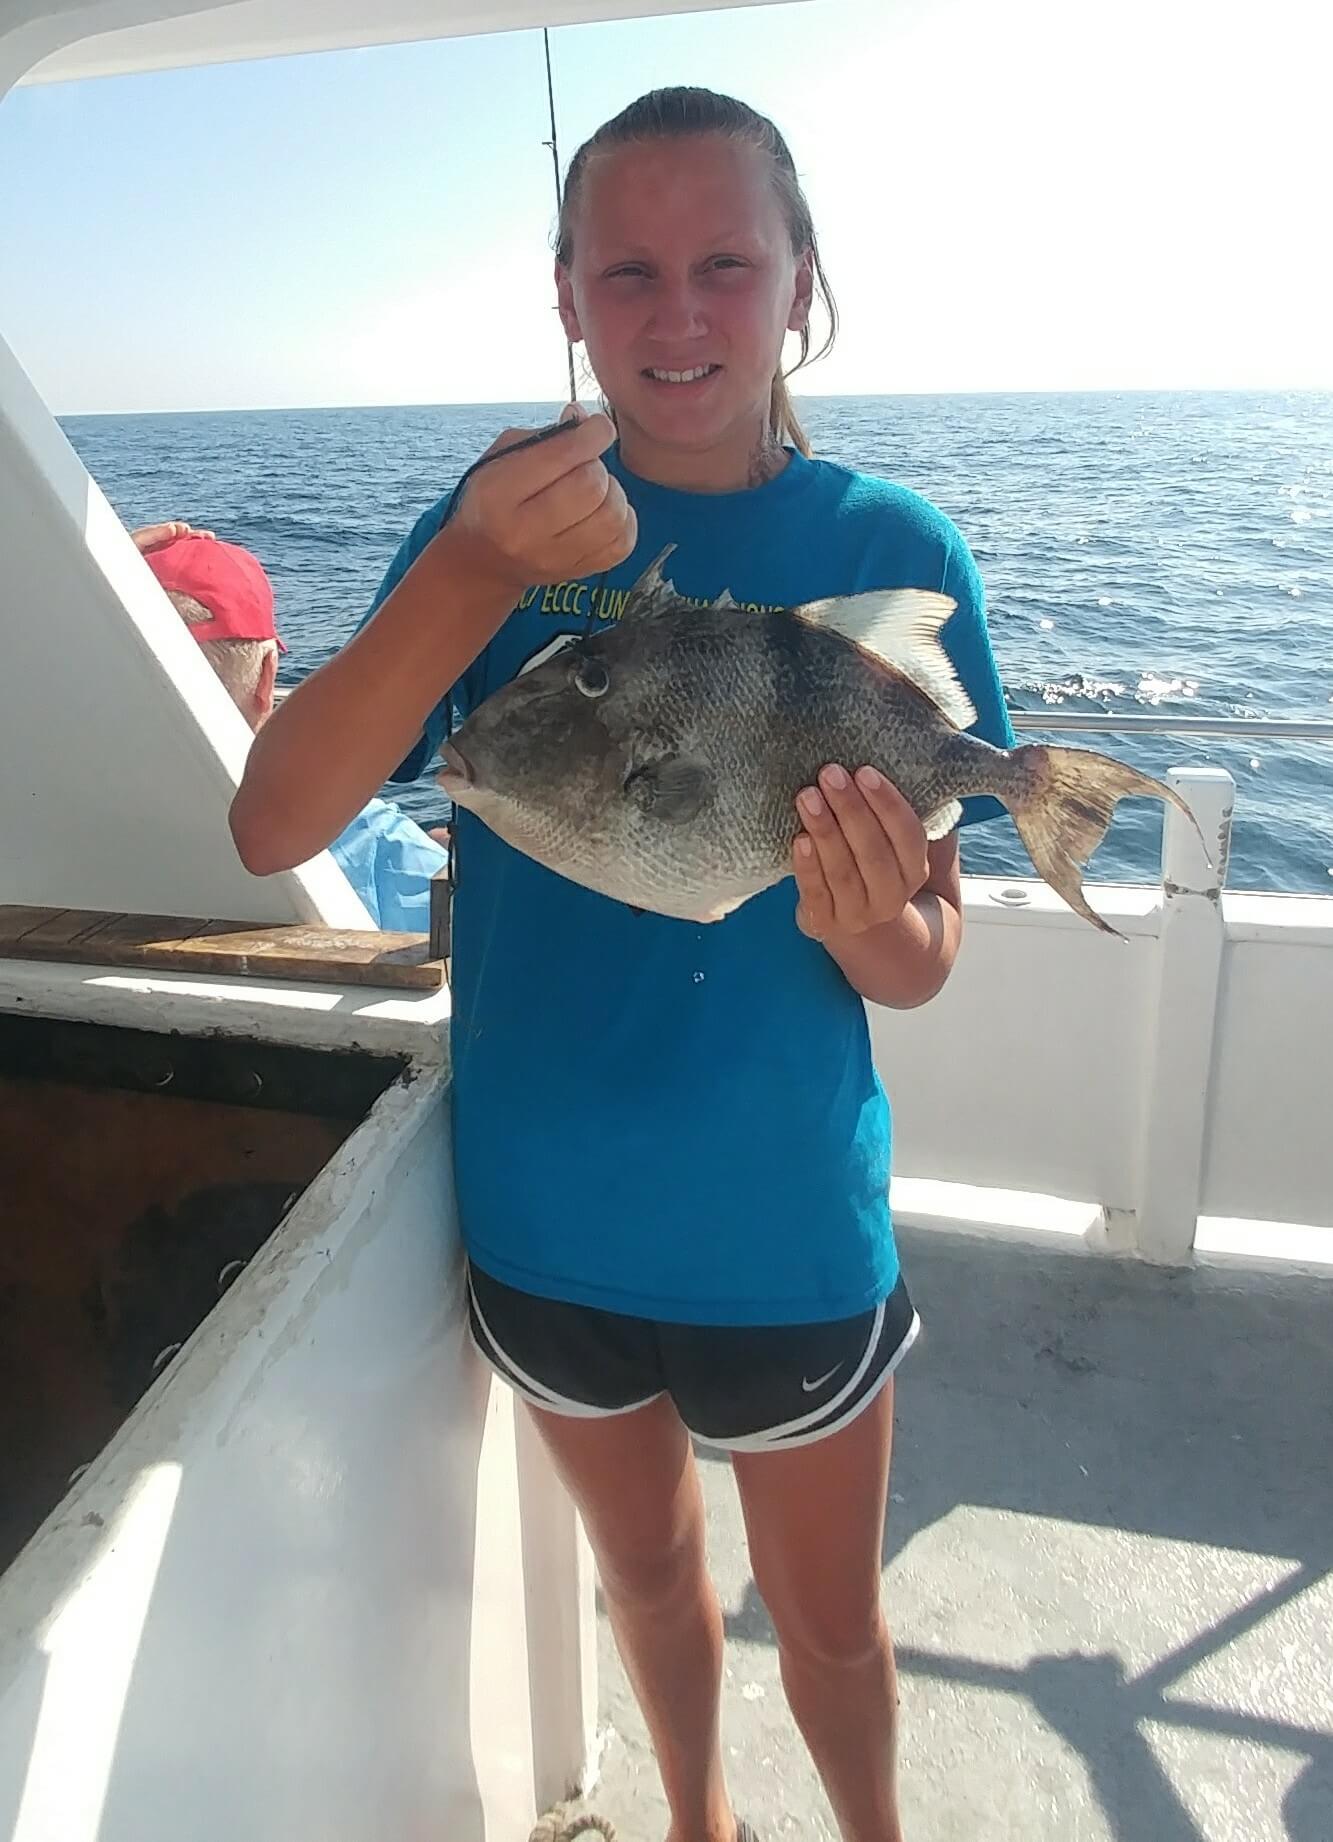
x,y
1169,553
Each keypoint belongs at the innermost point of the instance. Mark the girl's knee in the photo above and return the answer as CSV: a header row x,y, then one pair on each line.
x,y
841,1630
655,1576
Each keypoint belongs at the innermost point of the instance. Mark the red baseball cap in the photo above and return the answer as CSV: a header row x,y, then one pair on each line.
x,y
227,580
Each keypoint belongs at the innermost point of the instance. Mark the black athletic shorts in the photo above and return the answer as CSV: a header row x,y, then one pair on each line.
x,y
747,1389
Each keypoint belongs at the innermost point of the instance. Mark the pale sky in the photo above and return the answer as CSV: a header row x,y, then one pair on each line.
x,y
1027,195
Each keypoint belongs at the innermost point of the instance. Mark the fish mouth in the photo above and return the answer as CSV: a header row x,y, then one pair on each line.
x,y
456,770
690,377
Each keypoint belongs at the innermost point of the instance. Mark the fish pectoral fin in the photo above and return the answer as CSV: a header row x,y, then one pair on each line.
x,y
940,823
674,789
720,910
901,628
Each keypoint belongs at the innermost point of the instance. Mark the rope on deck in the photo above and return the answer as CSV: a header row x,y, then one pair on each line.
x,y
559,1826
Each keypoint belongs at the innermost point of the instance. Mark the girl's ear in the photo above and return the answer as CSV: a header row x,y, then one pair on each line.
x,y
564,301
799,317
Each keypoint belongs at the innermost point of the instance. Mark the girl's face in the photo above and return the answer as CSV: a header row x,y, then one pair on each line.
x,y
682,264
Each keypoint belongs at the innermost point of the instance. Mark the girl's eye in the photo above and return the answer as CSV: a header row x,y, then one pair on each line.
x,y
592,678
628,271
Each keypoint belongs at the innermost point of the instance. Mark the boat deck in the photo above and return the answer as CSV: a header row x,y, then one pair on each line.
x,y
1109,1565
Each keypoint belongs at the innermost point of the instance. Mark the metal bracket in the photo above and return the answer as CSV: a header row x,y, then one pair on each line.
x,y
441,911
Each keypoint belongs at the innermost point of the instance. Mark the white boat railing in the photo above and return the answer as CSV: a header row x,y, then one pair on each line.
x,y
1171,1085
1110,722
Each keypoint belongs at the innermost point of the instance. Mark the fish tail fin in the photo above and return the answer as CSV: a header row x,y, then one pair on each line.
x,y
1062,800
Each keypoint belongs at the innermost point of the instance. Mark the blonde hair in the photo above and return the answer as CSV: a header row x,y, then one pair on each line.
x,y
674,114
238,663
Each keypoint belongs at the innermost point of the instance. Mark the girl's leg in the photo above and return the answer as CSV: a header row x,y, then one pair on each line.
x,y
635,1482
815,1521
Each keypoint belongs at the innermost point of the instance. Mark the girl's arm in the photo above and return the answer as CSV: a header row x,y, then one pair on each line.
x,y
546,513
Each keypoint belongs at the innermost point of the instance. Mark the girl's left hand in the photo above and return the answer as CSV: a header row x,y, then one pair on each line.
x,y
861,856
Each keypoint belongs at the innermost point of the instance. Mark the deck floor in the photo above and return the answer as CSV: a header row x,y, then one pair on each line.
x,y
1109,1565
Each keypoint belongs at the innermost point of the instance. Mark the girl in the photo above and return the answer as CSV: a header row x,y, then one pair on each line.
x,y
672,1150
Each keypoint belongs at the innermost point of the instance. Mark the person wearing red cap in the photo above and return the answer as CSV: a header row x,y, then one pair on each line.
x,y
222,593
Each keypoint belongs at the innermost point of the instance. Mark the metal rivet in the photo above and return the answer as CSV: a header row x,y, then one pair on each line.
x,y
232,1270
163,1357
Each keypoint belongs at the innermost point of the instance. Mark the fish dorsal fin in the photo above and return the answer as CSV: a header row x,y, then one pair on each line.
x,y
652,592
901,627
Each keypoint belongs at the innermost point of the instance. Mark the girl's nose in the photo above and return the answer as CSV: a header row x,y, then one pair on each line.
x,y
677,311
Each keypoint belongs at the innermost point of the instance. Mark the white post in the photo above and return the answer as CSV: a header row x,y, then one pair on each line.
x,y
561,1612
1180,1030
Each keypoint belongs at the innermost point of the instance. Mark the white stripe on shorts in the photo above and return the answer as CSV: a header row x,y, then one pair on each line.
x,y
789,1438
536,1393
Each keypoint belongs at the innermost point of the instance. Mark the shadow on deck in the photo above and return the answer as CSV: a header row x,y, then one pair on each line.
x,y
1107,1567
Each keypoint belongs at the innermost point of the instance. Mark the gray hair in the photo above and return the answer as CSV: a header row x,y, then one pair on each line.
x,y
238,663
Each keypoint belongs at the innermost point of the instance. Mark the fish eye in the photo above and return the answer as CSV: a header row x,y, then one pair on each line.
x,y
592,678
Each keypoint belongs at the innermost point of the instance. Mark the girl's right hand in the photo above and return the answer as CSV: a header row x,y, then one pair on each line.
x,y
548,514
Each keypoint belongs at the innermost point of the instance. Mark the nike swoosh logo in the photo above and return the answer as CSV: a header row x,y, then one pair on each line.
x,y
811,1387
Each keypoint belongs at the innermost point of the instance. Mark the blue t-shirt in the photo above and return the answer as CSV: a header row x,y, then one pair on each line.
x,y
663,1119
389,861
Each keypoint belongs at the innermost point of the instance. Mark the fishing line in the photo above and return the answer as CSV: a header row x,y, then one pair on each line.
x,y
451,864
528,441
554,146
516,447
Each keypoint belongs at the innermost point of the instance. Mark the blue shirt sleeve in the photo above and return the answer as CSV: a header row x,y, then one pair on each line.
x,y
966,639
437,723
